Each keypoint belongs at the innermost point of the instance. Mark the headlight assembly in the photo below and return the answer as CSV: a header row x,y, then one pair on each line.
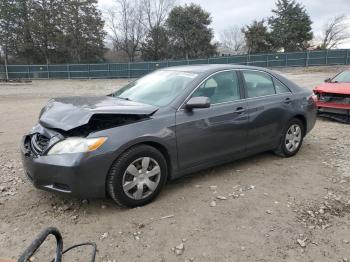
x,y
77,145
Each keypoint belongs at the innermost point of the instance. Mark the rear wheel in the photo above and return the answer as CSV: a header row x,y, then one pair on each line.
x,y
292,139
137,176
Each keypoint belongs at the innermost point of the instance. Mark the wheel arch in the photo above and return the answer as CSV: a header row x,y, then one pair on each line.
x,y
161,148
167,152
303,120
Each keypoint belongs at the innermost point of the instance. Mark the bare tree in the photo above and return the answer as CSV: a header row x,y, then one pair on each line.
x,y
335,32
125,21
233,40
156,12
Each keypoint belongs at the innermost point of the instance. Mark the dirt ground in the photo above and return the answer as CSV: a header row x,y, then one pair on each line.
x,y
267,208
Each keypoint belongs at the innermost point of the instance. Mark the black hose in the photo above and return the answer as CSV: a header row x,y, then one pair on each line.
x,y
29,252
93,253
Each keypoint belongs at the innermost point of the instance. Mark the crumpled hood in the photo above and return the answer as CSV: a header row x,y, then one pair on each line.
x,y
66,113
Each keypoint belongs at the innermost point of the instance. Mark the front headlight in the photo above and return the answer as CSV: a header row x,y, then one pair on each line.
x,y
77,145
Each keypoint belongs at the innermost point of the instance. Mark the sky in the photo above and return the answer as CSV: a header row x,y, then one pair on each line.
x,y
227,13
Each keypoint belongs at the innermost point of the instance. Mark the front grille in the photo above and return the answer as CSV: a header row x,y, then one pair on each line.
x,y
39,143
335,98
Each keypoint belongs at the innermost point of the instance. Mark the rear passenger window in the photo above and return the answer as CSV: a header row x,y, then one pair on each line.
x,y
258,84
280,88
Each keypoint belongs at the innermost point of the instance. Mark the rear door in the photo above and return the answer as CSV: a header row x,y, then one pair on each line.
x,y
213,134
269,103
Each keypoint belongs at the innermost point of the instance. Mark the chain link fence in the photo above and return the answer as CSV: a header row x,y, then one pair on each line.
x,y
137,69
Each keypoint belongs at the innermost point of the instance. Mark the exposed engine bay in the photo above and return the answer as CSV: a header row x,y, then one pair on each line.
x,y
43,138
104,121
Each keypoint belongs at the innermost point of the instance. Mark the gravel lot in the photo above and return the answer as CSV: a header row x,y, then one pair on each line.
x,y
266,208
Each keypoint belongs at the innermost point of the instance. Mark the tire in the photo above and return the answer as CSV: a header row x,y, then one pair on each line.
x,y
129,183
286,149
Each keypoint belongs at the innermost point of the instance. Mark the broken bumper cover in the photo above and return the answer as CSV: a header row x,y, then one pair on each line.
x,y
335,111
79,175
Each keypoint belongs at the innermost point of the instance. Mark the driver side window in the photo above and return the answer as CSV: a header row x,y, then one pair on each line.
x,y
220,88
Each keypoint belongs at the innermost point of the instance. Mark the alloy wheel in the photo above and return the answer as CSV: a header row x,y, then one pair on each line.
x,y
141,178
293,138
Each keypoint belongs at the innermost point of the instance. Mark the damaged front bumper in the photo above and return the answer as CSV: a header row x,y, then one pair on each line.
x,y
334,112
78,174
334,106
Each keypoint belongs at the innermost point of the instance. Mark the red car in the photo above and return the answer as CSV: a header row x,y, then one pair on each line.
x,y
333,97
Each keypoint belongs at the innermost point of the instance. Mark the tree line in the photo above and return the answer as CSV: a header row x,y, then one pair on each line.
x,y
51,31
77,31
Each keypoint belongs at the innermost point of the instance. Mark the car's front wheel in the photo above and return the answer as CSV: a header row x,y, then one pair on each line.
x,y
292,139
137,176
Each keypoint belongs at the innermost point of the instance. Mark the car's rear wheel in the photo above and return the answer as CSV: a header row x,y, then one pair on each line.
x,y
137,176
292,139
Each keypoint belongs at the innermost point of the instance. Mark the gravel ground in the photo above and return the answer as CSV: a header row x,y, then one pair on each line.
x,y
263,208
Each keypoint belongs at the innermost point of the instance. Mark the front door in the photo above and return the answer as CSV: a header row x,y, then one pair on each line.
x,y
216,133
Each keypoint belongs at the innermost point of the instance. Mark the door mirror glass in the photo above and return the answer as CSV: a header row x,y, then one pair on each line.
x,y
328,80
198,102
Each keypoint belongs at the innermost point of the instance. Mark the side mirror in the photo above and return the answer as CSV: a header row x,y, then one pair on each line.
x,y
328,80
198,102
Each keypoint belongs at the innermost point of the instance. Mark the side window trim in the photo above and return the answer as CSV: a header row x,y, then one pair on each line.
x,y
241,82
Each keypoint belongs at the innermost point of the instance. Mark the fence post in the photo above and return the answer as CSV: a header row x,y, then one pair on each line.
x,y
6,70
347,57
267,60
327,57
286,58
307,58
208,61
129,73
89,71
68,71
48,71
28,70
109,70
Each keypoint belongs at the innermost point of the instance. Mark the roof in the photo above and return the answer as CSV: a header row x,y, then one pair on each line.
x,y
205,68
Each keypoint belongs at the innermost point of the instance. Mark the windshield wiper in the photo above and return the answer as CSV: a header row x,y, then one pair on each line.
x,y
124,98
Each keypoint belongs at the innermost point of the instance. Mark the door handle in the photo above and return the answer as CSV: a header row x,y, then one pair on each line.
x,y
287,100
240,110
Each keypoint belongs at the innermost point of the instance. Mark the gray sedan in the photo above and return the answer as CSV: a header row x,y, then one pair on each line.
x,y
162,126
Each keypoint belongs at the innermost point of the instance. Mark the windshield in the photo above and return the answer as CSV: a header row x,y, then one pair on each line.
x,y
158,88
343,77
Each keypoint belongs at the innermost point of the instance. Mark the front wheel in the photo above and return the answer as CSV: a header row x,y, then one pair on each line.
x,y
137,176
292,139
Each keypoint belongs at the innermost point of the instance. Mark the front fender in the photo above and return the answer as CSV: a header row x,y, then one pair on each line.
x,y
160,132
